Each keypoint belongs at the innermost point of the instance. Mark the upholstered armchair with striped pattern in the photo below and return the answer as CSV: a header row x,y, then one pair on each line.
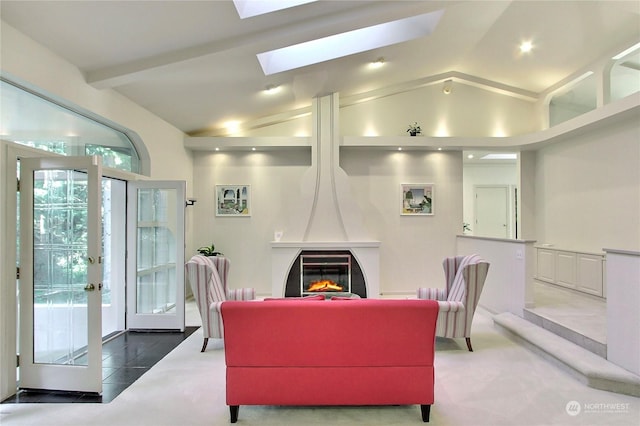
x,y
207,276
465,276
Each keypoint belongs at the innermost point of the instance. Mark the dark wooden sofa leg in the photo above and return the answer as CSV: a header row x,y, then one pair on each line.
x,y
469,344
233,409
204,345
426,410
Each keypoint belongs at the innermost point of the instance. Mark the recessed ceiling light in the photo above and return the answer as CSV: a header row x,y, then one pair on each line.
x,y
217,149
253,149
526,46
232,126
447,87
439,149
348,43
470,156
399,148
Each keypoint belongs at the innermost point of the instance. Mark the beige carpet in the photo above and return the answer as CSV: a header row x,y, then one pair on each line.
x,y
501,383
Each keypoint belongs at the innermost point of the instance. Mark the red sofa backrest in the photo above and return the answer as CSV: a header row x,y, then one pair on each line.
x,y
303,333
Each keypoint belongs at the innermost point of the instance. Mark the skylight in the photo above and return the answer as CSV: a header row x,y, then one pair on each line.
x,y
500,156
249,8
348,43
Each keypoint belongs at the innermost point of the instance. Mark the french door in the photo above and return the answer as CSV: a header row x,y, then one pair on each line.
x,y
72,227
155,261
60,274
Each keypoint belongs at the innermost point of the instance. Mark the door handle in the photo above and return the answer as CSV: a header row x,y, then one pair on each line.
x,y
89,287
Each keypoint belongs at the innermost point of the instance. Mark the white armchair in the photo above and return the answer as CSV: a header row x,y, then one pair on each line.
x,y
207,276
465,276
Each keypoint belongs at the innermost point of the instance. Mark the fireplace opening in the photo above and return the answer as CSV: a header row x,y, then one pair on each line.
x,y
329,272
325,273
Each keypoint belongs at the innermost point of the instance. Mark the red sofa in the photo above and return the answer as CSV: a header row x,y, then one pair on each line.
x,y
335,352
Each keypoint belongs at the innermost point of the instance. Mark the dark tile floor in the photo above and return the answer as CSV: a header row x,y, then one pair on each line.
x,y
124,359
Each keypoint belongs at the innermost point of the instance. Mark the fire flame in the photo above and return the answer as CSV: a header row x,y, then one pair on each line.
x,y
325,285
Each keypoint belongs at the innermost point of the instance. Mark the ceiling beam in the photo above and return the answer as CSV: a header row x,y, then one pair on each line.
x,y
367,14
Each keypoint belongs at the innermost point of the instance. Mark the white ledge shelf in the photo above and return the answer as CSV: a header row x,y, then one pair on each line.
x,y
324,244
622,251
504,240
620,109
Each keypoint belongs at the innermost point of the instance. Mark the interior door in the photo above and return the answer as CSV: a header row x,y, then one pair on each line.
x,y
155,255
491,211
60,274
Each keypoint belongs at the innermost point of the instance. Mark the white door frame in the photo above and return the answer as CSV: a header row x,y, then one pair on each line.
x,y
42,375
10,154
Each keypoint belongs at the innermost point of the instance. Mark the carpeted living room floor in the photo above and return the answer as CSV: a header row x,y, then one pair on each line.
x,y
501,383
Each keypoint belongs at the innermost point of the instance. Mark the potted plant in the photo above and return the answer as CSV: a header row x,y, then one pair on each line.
x,y
209,251
414,129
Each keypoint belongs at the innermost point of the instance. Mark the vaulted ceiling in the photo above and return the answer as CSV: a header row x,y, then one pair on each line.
x,y
194,64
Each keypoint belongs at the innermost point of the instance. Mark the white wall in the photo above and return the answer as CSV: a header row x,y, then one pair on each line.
x,y
274,178
466,112
300,126
411,248
588,190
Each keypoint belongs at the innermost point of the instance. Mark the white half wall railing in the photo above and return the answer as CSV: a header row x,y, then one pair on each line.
x,y
623,308
509,284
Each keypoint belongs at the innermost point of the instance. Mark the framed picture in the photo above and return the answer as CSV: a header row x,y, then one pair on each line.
x,y
417,199
233,200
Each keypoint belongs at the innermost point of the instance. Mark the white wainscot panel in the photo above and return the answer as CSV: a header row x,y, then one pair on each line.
x,y
589,274
566,269
546,265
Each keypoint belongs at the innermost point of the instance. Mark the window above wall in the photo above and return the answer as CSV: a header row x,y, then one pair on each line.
x,y
625,75
581,94
32,120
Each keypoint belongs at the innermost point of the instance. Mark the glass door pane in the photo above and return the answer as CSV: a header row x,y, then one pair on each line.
x,y
60,266
156,221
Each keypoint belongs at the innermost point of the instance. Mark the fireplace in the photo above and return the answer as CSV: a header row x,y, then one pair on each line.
x,y
328,272
325,273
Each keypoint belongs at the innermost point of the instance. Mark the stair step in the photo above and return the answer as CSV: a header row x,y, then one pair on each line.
x,y
589,368
592,345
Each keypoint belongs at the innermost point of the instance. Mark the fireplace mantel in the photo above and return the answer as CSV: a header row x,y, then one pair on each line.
x,y
284,253
324,245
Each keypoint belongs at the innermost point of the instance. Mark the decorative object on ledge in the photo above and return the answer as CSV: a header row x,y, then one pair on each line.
x,y
233,200
414,129
417,199
466,227
209,251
